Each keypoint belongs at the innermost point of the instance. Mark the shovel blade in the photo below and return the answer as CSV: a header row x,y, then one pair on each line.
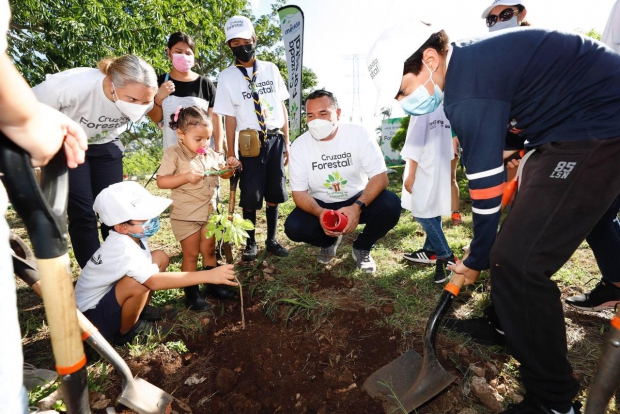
x,y
145,398
408,382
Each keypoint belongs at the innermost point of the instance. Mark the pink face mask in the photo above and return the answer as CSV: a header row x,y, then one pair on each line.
x,y
182,62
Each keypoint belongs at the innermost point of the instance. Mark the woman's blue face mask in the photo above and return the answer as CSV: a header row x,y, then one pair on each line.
x,y
149,227
420,102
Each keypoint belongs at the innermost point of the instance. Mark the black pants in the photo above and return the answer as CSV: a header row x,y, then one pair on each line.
x,y
604,240
565,190
264,176
103,166
380,217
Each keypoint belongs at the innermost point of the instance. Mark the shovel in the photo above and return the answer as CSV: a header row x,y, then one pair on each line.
x,y
137,394
43,211
411,380
231,210
607,378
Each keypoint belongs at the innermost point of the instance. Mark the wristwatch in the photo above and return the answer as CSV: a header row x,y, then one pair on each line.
x,y
361,204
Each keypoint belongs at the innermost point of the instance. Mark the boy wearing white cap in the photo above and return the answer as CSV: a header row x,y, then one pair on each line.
x,y
116,284
251,94
566,108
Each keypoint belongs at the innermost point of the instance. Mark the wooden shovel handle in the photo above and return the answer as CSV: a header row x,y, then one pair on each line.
x,y
43,210
455,284
607,377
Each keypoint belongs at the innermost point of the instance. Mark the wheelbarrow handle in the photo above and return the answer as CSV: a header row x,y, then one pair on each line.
x,y
43,211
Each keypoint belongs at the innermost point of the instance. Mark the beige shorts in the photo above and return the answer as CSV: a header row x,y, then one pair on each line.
x,y
182,229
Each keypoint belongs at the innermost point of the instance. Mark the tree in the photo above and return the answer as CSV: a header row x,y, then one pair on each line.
x,y
398,140
48,36
592,33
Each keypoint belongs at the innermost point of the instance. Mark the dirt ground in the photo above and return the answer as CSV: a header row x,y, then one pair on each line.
x,y
304,366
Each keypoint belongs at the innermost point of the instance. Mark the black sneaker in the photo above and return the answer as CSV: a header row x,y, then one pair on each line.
x,y
441,269
605,295
275,248
249,253
153,314
480,330
531,405
491,315
142,327
421,256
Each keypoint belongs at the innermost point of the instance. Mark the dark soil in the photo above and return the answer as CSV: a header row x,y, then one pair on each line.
x,y
305,366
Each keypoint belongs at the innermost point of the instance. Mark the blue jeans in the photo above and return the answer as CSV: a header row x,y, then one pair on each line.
x,y
604,239
435,239
380,217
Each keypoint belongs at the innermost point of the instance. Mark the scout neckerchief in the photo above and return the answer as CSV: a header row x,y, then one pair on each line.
x,y
257,107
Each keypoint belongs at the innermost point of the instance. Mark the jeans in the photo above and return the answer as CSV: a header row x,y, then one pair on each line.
x,y
12,392
380,217
604,239
435,239
565,189
103,166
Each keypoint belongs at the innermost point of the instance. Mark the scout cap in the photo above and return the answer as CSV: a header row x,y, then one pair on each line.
x,y
239,27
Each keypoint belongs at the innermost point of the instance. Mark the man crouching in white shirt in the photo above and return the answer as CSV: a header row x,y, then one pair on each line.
x,y
341,168
117,283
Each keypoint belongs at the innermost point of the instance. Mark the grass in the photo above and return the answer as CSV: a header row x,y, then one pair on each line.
x,y
287,293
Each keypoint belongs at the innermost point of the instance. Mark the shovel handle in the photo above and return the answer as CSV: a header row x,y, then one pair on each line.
x,y
233,191
455,284
43,211
607,377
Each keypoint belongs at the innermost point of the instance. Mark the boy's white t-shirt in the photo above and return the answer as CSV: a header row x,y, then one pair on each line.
x,y
234,96
335,170
78,93
429,143
118,256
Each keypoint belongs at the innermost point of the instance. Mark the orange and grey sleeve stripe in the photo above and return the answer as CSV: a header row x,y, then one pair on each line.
x,y
487,193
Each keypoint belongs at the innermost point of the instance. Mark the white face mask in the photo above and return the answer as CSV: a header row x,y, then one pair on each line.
x,y
320,128
508,24
132,111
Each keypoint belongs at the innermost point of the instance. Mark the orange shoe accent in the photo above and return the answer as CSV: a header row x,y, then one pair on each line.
x,y
456,218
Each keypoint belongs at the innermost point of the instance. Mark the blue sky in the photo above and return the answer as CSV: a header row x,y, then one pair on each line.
x,y
337,29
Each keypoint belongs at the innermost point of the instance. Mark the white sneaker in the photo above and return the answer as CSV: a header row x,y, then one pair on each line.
x,y
364,260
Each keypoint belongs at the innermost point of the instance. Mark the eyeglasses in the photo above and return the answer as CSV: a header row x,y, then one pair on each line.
x,y
504,15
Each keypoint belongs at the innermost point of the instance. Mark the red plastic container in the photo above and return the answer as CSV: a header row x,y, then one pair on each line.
x,y
334,221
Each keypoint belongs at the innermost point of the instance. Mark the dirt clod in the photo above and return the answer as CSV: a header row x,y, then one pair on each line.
x,y
225,380
487,394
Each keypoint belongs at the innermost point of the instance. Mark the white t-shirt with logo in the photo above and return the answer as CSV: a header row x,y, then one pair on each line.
x,y
78,93
335,170
429,143
234,96
118,256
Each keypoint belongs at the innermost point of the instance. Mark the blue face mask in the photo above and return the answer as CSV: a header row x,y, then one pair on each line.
x,y
420,102
149,228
